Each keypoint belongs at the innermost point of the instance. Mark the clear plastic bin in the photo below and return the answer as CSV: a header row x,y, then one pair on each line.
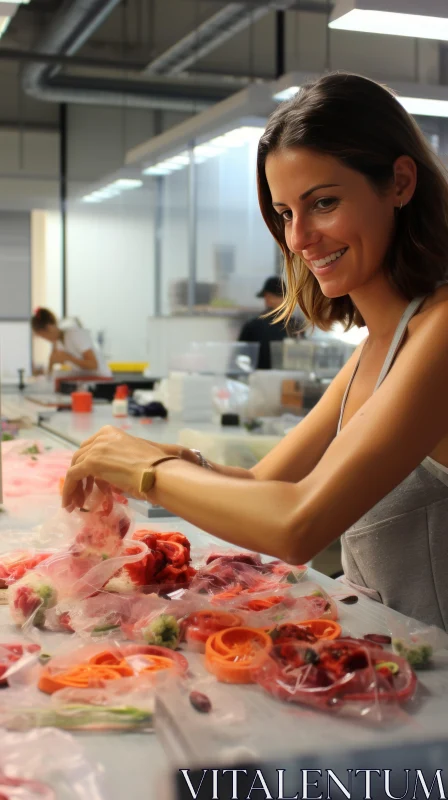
x,y
217,358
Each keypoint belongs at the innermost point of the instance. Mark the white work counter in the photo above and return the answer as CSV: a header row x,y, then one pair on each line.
x,y
135,764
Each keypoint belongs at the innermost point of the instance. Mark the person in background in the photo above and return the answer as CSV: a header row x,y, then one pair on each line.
x,y
265,329
71,343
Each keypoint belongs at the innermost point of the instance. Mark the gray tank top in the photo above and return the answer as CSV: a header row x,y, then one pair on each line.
x,y
397,553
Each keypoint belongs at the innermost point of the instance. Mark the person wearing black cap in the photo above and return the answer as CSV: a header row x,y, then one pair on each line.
x,y
264,329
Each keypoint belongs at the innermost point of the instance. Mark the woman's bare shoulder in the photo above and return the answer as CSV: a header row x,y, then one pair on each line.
x,y
433,312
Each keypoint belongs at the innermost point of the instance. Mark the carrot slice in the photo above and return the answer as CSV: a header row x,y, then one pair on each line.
x,y
231,654
81,676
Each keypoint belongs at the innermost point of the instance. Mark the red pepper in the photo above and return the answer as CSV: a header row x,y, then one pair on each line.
x,y
332,673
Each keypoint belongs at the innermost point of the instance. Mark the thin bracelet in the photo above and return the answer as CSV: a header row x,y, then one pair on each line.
x,y
148,477
202,461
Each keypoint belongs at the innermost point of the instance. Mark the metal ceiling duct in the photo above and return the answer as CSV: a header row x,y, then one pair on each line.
x,y
216,30
69,29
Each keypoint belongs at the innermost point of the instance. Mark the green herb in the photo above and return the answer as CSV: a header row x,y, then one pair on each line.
x,y
33,450
79,716
163,631
418,657
105,628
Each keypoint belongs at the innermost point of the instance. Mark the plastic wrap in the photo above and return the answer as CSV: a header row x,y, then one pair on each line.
x,y
96,550
237,571
14,565
95,687
46,765
28,469
413,640
347,676
13,655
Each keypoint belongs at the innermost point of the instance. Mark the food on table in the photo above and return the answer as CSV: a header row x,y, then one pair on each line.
x,y
110,665
232,654
334,673
197,627
418,655
16,564
11,653
200,702
30,597
163,631
307,631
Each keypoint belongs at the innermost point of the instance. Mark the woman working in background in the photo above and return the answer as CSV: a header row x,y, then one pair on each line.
x,y
358,203
72,344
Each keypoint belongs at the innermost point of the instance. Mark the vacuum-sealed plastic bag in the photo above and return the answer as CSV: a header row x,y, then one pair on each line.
x,y
345,676
46,765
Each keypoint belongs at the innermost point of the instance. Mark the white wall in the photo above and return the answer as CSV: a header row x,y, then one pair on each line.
x,y
110,266
46,272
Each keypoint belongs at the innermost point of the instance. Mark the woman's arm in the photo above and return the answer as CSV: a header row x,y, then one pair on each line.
x,y
88,361
299,452
385,440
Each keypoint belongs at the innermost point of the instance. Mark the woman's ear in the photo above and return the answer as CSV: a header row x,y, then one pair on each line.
x,y
405,180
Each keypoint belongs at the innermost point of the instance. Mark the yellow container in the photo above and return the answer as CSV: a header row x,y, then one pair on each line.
x,y
128,366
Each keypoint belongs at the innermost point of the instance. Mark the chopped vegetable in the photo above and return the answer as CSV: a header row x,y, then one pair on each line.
x,y
163,631
418,656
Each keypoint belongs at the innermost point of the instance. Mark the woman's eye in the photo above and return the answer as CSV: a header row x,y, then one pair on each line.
x,y
286,216
325,203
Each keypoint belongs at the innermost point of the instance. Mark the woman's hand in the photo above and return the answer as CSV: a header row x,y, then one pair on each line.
x,y
113,457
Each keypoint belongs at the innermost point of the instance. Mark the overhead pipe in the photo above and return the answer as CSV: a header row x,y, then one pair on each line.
x,y
212,33
68,31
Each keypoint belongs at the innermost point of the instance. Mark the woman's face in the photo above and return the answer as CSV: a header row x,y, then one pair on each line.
x,y
333,217
50,333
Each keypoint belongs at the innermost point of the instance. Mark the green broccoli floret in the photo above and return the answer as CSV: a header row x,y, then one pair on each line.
x,y
163,631
418,656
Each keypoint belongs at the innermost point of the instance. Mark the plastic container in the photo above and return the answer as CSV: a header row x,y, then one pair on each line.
x,y
120,401
82,402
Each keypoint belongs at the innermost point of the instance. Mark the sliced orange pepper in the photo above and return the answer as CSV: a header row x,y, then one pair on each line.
x,y
157,664
231,654
82,676
322,628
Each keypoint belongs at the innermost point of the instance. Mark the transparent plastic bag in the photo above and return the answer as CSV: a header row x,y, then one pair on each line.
x,y
51,764
413,640
29,469
237,571
15,564
14,656
62,578
350,677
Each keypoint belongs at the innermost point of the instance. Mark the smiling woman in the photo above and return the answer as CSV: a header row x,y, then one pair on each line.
x,y
359,206
337,168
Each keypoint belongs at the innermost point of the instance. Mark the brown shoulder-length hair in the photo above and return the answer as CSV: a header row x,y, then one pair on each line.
x,y
363,125
41,318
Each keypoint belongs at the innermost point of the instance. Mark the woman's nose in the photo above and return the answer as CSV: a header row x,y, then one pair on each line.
x,y
302,234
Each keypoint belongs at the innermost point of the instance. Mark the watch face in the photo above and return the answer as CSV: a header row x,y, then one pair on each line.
x,y
147,480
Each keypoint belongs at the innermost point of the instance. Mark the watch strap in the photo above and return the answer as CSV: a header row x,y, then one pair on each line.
x,y
148,476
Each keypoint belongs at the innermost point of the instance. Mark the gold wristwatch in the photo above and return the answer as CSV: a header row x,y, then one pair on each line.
x,y
148,477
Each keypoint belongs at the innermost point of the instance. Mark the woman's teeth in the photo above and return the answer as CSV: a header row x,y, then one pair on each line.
x,y
323,262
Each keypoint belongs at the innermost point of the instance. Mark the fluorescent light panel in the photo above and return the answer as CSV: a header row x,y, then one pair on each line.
x,y
286,94
424,107
238,137
112,190
376,20
4,22
420,106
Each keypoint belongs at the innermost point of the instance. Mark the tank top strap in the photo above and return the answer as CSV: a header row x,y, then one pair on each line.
x,y
344,399
397,340
399,335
